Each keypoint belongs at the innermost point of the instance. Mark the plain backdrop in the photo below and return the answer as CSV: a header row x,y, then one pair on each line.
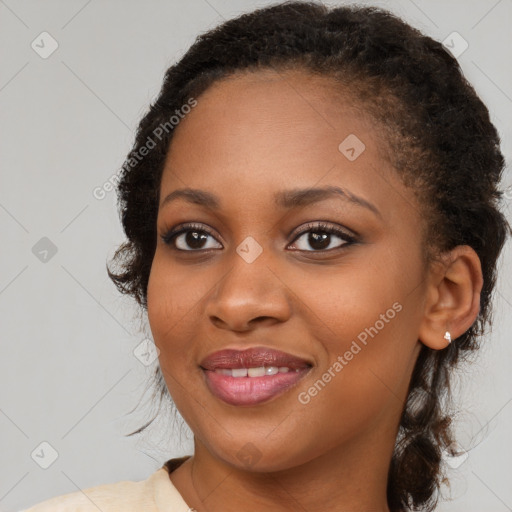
x,y
72,365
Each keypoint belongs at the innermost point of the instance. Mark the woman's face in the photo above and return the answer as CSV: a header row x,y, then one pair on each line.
x,y
287,286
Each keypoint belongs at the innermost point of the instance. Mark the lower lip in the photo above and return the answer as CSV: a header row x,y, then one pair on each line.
x,y
251,390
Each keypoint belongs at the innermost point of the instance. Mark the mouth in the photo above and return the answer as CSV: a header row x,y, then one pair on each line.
x,y
252,376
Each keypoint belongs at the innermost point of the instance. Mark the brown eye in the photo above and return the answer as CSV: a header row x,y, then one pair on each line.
x,y
191,239
321,238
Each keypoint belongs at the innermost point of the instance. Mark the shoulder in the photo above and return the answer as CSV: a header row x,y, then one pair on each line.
x,y
123,496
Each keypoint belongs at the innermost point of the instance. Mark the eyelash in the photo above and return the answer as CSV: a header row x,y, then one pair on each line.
x,y
316,227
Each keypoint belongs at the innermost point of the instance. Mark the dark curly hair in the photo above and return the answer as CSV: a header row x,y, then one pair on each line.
x,y
439,139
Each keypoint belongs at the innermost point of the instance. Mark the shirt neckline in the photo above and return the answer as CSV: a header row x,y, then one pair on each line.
x,y
167,497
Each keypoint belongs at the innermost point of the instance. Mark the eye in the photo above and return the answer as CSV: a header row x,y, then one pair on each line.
x,y
191,237
321,237
316,237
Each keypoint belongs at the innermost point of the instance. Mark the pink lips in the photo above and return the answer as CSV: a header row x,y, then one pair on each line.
x,y
252,390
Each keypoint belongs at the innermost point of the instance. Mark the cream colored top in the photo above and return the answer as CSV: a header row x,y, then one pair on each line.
x,y
155,494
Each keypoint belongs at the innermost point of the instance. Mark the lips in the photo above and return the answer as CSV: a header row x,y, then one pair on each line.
x,y
252,376
252,358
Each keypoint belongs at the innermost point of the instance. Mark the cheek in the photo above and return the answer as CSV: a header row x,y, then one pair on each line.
x,y
366,320
175,310
364,293
172,299
364,378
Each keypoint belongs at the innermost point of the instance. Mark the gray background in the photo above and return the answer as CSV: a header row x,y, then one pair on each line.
x,y
69,375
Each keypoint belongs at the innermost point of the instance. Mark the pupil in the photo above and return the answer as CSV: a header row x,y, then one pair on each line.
x,y
319,240
195,239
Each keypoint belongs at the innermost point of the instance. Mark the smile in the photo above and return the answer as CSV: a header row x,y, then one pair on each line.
x,y
252,376
260,371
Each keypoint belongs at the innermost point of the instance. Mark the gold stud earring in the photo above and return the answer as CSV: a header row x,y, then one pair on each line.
x,y
447,336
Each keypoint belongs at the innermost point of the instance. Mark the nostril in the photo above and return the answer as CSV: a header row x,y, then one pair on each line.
x,y
217,321
260,319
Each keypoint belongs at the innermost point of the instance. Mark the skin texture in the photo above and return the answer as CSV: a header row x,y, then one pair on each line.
x,y
249,137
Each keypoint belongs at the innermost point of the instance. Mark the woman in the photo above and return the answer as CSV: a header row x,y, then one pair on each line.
x,y
311,207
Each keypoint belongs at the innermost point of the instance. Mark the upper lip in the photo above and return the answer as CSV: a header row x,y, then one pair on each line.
x,y
252,358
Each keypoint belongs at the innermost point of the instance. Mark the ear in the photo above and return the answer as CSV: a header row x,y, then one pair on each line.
x,y
453,297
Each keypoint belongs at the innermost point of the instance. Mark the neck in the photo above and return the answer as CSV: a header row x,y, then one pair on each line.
x,y
350,477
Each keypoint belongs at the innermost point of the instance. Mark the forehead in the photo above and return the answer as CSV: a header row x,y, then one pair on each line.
x,y
266,118
287,100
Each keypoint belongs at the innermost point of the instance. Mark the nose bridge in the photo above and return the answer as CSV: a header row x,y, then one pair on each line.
x,y
248,291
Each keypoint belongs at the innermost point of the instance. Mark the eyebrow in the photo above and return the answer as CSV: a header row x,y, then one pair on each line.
x,y
287,199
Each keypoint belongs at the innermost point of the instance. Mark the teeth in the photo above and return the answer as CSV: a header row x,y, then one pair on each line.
x,y
256,372
253,372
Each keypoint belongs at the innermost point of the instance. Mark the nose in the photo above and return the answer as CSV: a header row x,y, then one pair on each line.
x,y
250,294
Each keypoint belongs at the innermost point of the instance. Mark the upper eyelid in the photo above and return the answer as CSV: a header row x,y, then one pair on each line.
x,y
322,224
188,226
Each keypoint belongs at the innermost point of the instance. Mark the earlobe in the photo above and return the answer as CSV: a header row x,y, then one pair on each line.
x,y
453,297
